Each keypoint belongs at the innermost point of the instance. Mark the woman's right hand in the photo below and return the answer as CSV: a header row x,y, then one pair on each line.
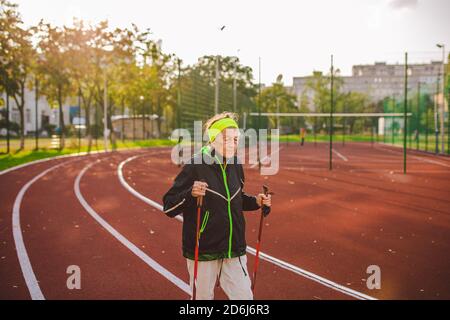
x,y
199,189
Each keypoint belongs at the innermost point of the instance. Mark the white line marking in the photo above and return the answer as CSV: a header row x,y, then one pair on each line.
x,y
134,192
416,157
264,256
24,260
430,161
133,248
340,155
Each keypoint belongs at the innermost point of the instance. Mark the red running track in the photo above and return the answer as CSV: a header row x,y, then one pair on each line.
x,y
334,224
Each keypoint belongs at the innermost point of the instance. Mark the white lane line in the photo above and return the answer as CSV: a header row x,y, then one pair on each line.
x,y
417,158
134,192
264,256
340,155
431,161
132,247
24,260
266,157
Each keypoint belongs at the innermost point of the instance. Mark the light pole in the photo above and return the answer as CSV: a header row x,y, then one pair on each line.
x,y
436,129
278,112
179,95
216,96
6,85
104,66
7,120
418,116
235,83
426,126
36,97
442,111
141,98
216,102
79,119
394,103
345,122
105,114
405,118
279,82
331,115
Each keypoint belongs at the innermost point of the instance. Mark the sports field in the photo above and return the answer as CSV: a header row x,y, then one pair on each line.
x,y
102,212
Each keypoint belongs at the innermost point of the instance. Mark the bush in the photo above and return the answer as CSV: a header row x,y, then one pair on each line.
x,y
13,127
50,128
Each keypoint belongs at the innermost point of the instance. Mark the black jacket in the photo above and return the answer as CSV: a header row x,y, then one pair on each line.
x,y
222,221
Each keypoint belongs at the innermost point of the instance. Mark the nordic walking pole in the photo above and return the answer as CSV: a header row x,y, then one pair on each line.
x,y
264,212
197,234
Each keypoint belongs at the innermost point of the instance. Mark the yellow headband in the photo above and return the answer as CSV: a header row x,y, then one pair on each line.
x,y
220,125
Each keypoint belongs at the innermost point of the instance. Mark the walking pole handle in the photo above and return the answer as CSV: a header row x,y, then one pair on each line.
x,y
265,209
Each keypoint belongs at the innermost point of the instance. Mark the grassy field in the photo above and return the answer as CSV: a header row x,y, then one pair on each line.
x,y
17,157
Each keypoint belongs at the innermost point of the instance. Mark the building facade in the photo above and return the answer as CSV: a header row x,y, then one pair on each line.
x,y
45,113
381,80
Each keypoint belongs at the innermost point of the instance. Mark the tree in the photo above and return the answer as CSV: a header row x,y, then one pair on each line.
x,y
319,85
54,69
156,70
119,63
277,99
303,107
355,102
17,55
229,68
90,63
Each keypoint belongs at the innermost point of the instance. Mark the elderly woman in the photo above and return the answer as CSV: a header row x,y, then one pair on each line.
x,y
215,175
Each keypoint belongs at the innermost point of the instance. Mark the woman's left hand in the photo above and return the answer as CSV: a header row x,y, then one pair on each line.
x,y
262,199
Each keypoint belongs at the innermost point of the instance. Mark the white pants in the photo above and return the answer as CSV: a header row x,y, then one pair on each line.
x,y
234,278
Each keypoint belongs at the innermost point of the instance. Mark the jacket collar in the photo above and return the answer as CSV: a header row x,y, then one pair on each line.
x,y
211,152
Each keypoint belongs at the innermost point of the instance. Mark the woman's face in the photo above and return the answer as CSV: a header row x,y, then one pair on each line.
x,y
227,141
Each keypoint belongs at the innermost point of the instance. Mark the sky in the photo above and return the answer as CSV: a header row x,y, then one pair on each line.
x,y
293,38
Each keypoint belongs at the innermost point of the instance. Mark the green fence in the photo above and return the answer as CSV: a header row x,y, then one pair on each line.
x,y
421,125
197,100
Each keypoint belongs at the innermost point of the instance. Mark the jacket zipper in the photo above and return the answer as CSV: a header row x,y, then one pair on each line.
x,y
224,175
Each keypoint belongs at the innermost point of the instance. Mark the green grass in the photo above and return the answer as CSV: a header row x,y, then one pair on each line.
x,y
17,157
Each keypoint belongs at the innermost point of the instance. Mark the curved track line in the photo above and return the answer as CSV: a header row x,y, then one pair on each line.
x,y
133,248
264,256
24,260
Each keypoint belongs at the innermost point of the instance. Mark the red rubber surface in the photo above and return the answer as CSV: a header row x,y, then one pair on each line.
x,y
334,224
